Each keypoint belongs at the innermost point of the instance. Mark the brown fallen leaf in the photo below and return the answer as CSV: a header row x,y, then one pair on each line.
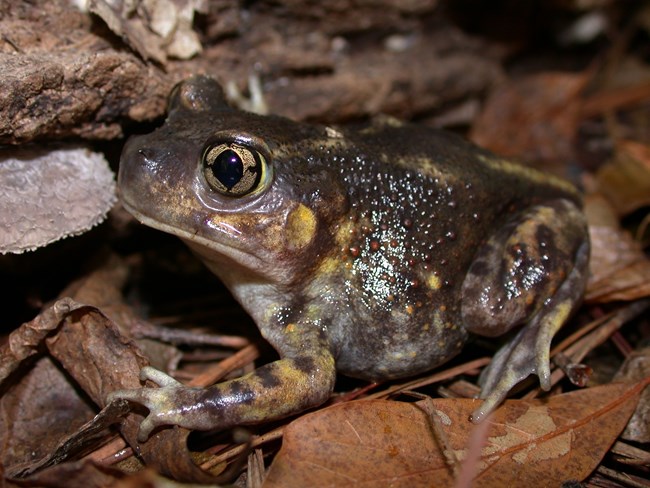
x,y
547,105
635,368
383,443
625,180
619,269
88,346
38,399
41,409
78,474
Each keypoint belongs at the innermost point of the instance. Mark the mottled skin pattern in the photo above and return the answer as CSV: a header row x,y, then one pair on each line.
x,y
373,252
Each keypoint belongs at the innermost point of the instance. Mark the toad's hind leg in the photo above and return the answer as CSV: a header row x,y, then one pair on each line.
x,y
532,271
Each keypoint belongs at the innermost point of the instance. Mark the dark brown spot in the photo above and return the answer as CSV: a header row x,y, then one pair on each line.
x,y
545,237
268,378
241,392
304,364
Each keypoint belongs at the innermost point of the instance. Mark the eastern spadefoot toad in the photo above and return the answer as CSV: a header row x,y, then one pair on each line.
x,y
373,252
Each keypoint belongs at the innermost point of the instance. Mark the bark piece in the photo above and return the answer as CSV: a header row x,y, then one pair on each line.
x,y
61,76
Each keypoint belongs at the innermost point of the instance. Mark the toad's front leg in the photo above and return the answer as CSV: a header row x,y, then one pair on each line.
x,y
303,378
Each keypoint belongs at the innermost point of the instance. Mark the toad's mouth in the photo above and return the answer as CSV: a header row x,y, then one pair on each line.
x,y
214,252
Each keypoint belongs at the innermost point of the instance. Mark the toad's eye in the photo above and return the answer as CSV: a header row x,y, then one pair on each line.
x,y
234,170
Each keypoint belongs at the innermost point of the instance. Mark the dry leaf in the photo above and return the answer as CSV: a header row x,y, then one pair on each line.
x,y
534,118
79,474
38,411
88,346
381,443
619,269
635,368
48,195
625,180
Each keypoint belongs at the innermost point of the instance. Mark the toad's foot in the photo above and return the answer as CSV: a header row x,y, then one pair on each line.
x,y
165,404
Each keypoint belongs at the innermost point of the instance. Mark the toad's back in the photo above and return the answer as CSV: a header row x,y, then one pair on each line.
x,y
421,204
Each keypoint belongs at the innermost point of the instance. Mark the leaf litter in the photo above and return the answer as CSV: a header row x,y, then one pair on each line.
x,y
72,354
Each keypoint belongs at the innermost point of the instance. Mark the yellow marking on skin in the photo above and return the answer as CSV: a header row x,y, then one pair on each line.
x,y
413,354
409,309
380,122
301,227
434,282
270,312
329,265
314,312
389,121
290,328
426,327
335,142
437,321
562,312
333,133
509,167
551,325
425,165
344,231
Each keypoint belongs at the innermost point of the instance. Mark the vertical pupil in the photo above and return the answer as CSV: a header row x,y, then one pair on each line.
x,y
228,168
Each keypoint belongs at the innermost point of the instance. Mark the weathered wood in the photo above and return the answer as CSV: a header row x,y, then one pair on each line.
x,y
64,74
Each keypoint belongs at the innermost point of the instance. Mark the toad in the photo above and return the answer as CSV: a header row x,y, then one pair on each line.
x,y
375,252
